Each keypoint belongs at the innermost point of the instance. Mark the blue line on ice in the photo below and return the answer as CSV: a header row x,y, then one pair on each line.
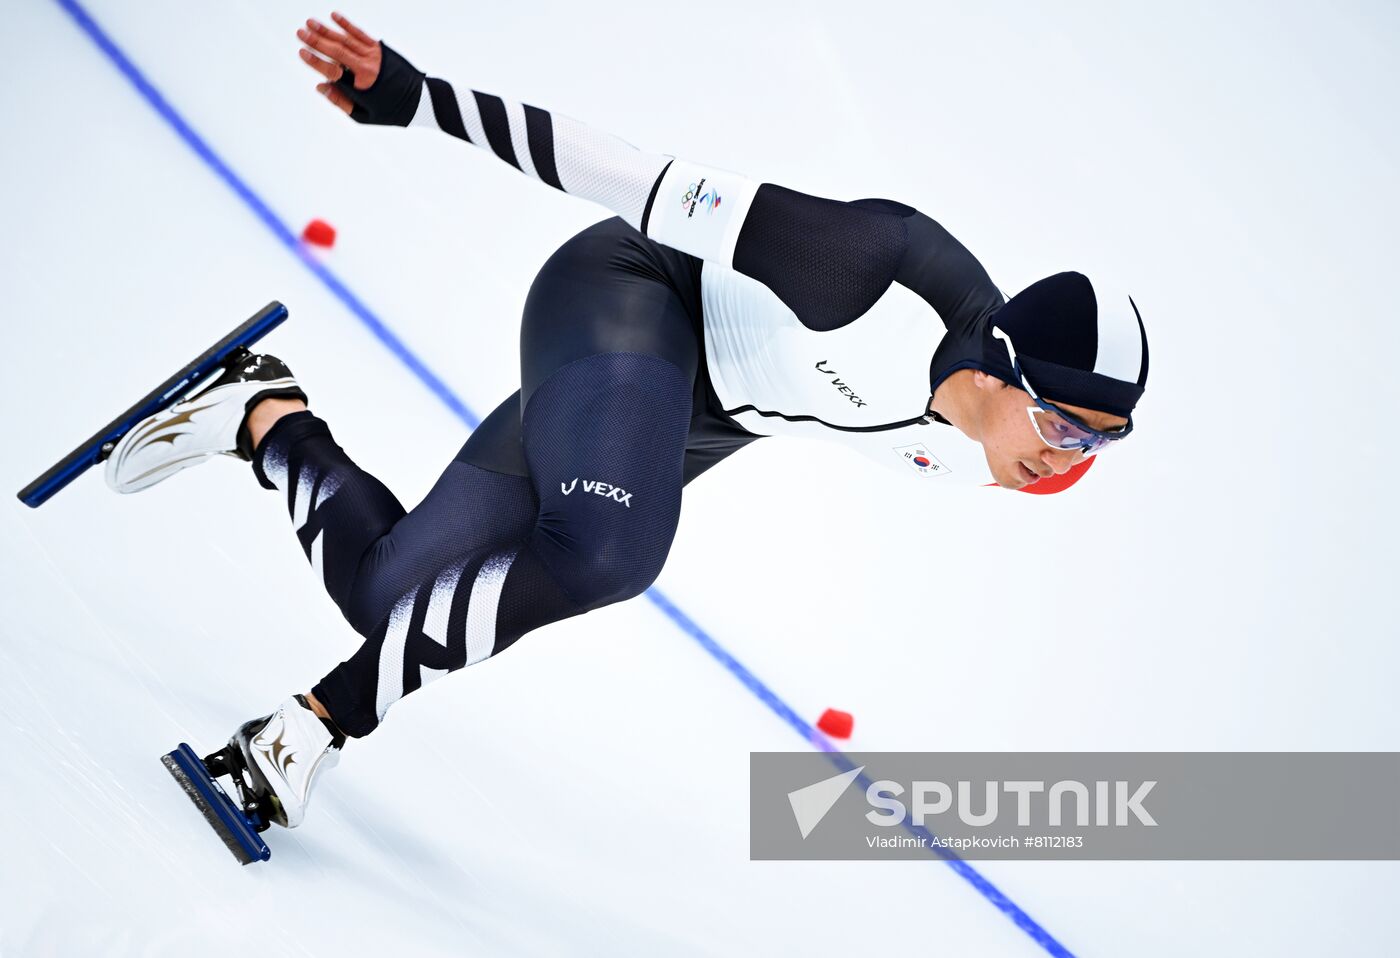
x,y
451,400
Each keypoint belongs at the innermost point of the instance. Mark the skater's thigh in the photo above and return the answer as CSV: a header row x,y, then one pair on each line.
x,y
605,437
585,462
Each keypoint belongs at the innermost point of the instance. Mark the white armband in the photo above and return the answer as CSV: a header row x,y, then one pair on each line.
x,y
700,209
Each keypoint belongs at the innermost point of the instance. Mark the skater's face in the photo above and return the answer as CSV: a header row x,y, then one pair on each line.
x,y
1015,453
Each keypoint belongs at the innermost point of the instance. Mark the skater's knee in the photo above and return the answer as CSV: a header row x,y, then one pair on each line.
x,y
604,570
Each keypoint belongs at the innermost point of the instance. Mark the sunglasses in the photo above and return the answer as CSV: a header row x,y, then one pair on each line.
x,y
1055,427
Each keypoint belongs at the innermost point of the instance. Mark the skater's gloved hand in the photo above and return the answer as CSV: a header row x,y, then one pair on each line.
x,y
364,77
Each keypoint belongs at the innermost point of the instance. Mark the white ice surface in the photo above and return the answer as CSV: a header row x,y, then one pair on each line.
x,y
587,791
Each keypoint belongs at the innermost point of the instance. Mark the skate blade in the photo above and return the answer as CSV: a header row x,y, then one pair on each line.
x,y
184,382
238,833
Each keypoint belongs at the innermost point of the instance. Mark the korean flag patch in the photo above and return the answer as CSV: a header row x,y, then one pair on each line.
x,y
918,458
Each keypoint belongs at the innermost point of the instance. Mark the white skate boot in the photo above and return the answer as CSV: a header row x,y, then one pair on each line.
x,y
206,423
284,753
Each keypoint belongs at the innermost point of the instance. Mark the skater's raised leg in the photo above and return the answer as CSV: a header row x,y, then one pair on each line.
x,y
488,556
566,498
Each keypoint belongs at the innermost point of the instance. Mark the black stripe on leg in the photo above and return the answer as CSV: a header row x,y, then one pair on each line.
x,y
445,108
539,134
497,126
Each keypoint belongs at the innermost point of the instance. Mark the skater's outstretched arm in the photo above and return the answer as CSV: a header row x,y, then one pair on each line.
x,y
826,259
374,84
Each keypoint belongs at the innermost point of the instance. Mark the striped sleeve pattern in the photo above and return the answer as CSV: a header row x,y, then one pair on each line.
x,y
566,154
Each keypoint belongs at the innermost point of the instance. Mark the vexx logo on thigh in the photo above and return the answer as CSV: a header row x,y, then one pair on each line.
x,y
615,493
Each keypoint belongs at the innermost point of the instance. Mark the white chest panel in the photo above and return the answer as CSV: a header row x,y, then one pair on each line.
x,y
775,376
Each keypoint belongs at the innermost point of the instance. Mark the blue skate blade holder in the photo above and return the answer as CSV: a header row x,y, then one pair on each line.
x,y
238,830
194,373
